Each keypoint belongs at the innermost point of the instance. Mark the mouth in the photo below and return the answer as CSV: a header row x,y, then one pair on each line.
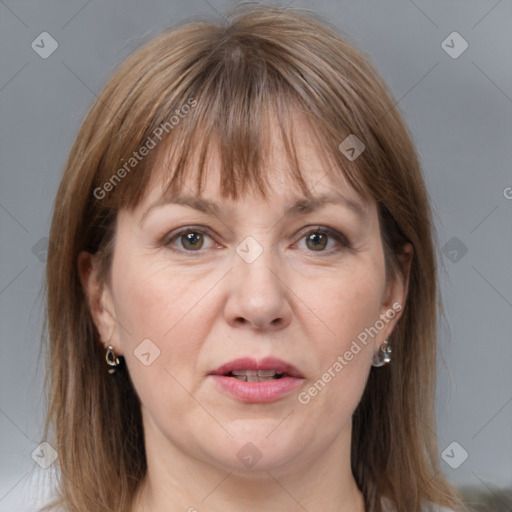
x,y
251,370
254,381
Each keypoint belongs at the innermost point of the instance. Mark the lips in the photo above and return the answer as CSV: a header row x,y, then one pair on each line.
x,y
252,381
251,368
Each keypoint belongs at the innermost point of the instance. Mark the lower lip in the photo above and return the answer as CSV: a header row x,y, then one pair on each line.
x,y
257,392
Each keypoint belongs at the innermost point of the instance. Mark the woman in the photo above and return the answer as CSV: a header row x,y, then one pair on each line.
x,y
241,283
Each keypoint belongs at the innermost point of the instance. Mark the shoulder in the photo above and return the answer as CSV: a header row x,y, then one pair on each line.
x,y
427,507
434,507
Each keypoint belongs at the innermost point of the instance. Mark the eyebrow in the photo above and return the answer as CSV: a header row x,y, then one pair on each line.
x,y
302,206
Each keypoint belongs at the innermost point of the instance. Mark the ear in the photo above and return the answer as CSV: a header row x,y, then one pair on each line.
x,y
395,294
99,300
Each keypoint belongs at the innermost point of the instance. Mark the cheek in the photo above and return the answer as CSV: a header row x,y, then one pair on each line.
x,y
347,305
154,302
153,299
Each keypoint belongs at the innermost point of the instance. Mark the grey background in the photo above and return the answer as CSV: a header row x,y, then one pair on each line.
x,y
459,111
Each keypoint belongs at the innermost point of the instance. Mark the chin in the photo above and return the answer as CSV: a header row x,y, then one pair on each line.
x,y
256,446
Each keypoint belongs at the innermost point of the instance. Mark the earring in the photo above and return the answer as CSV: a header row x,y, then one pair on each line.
x,y
112,359
383,355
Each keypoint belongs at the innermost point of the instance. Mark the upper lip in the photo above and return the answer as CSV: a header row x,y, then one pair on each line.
x,y
268,363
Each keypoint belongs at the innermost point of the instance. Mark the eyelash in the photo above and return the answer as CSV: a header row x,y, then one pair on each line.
x,y
342,240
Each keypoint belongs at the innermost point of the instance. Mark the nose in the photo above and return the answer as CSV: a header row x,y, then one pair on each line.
x,y
258,294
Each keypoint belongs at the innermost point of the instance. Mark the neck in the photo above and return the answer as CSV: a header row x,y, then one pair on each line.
x,y
175,481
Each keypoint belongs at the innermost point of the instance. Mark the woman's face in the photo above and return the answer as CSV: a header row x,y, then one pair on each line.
x,y
193,291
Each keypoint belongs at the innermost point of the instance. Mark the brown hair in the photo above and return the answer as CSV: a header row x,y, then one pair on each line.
x,y
263,59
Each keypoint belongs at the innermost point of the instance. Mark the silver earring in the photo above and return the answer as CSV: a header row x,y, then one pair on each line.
x,y
383,355
111,359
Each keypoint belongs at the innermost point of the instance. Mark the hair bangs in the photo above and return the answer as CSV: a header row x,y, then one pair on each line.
x,y
240,103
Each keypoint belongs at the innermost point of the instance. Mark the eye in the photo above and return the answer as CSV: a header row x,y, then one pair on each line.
x,y
190,239
318,239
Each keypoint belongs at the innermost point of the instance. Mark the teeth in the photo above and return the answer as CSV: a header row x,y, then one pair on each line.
x,y
247,373
255,375
267,373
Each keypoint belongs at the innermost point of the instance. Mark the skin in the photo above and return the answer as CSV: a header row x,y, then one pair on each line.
x,y
295,301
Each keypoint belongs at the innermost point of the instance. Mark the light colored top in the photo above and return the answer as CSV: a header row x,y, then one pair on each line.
x,y
427,507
